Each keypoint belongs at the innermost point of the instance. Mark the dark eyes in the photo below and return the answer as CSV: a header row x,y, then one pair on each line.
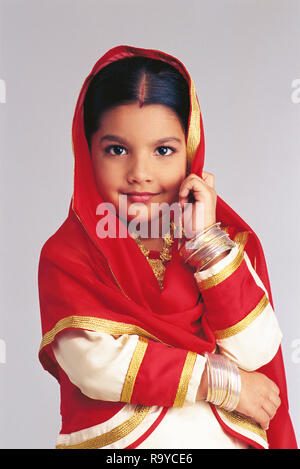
x,y
116,150
164,149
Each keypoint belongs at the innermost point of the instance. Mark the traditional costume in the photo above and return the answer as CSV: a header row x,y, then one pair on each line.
x,y
126,340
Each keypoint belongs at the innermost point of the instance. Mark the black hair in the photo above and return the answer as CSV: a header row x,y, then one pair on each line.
x,y
121,82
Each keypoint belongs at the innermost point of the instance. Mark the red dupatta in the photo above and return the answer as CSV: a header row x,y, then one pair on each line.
x,y
107,284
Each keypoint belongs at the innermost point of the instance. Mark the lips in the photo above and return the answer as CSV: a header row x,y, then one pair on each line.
x,y
140,196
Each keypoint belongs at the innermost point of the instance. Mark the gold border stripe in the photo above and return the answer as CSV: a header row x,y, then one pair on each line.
x,y
113,435
133,369
241,239
94,324
244,422
185,379
224,273
244,323
194,136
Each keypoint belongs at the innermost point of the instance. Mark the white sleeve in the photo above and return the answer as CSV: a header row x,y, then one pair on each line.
x,y
97,363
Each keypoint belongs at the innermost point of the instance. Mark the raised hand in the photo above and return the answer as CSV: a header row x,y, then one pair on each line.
x,y
201,211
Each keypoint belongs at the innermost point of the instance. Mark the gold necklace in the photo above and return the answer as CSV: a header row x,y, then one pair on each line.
x,y
158,265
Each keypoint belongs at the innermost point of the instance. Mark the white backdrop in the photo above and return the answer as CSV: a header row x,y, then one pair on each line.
x,y
243,56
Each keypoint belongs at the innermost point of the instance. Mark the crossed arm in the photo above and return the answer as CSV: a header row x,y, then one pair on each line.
x,y
133,369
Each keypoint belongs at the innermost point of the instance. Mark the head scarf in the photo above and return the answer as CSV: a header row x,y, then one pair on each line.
x,y
106,284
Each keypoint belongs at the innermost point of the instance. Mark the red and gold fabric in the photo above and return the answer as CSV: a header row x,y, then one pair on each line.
x,y
238,309
128,368
107,286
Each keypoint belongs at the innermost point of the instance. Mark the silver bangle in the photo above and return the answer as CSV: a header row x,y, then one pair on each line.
x,y
206,246
224,382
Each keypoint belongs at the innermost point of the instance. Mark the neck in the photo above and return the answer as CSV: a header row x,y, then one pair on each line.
x,y
153,244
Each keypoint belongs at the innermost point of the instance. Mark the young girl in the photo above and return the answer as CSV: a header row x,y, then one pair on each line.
x,y
164,341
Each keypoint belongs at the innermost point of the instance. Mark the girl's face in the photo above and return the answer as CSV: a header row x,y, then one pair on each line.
x,y
139,150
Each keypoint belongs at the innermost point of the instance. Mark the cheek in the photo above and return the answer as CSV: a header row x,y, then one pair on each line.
x,y
104,181
105,175
174,179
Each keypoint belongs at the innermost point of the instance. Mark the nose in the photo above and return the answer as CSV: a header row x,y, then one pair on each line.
x,y
139,170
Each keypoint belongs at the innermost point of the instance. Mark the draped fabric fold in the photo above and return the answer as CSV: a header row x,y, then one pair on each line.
x,y
107,285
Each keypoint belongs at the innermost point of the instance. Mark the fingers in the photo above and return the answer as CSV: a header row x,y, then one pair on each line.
x,y
276,400
188,184
275,388
269,407
259,398
198,201
263,419
196,184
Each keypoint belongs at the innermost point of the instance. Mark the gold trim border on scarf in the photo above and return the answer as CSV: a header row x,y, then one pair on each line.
x,y
113,435
133,369
97,325
194,132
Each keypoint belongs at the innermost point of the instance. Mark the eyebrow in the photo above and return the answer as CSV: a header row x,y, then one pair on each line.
x,y
122,140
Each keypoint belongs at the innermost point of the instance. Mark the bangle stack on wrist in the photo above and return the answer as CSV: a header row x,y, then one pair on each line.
x,y
224,382
206,246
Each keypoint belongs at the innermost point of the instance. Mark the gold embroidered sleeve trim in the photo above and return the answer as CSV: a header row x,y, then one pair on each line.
x,y
185,379
133,369
244,323
241,240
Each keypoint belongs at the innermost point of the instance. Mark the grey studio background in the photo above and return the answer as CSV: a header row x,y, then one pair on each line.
x,y
244,57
